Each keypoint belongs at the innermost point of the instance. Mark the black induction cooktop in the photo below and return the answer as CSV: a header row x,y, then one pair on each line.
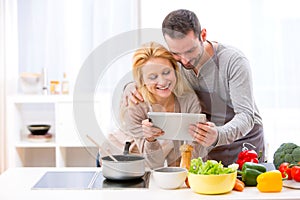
x,y
87,180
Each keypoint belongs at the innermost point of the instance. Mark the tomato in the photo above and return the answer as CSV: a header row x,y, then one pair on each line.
x,y
285,170
295,172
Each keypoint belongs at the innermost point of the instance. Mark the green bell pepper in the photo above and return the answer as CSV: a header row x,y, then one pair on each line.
x,y
250,172
251,165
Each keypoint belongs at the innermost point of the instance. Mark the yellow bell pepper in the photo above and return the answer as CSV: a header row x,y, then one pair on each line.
x,y
270,181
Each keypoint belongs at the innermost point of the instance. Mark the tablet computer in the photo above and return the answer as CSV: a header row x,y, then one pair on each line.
x,y
175,125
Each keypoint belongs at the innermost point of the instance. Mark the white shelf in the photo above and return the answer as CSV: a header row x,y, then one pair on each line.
x,y
63,150
35,144
19,99
76,146
25,142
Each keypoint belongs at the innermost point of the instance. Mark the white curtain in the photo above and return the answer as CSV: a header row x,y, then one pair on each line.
x,y
8,62
59,35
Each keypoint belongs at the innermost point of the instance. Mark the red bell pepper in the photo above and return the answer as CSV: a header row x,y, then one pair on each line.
x,y
285,170
295,172
246,156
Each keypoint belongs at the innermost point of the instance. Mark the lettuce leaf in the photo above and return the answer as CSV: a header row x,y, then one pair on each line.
x,y
209,167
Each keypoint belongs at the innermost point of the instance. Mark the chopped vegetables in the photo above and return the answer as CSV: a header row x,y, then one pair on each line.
x,y
209,167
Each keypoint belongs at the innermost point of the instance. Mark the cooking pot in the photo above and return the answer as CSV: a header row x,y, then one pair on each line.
x,y
134,183
128,166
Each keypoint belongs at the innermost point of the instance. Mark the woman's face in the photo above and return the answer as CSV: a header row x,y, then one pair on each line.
x,y
159,77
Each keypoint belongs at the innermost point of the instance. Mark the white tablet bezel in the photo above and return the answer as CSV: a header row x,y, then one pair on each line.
x,y
175,125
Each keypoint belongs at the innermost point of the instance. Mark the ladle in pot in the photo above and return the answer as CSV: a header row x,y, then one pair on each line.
x,y
102,149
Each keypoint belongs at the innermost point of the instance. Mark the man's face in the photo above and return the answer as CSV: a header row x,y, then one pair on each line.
x,y
187,50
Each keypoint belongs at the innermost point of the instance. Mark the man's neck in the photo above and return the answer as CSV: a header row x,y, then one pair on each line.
x,y
208,53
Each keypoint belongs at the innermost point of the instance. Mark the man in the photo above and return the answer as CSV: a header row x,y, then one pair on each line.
x,y
221,77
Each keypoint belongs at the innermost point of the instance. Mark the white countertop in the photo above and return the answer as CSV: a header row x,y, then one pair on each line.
x,y
17,183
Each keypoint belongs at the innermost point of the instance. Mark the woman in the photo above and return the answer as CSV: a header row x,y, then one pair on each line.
x,y
158,79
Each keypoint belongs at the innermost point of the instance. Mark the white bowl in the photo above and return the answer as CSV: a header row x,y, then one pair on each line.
x,y
170,177
31,83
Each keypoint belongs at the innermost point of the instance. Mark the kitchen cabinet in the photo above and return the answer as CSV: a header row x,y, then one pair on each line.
x,y
64,149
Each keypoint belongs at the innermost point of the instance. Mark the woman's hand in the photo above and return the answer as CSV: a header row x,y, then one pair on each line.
x,y
205,134
131,94
151,132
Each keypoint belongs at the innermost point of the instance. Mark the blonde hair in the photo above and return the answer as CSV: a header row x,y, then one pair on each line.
x,y
142,56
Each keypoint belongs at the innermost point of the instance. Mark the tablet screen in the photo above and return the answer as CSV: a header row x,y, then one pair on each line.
x,y
175,125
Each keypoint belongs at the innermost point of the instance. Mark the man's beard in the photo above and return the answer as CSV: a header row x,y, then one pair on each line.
x,y
195,63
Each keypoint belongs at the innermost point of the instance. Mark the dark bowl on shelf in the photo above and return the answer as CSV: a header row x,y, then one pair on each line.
x,y
38,129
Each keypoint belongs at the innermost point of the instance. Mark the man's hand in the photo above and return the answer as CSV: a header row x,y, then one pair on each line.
x,y
131,94
205,134
151,132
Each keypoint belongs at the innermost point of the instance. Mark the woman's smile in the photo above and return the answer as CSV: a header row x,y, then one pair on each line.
x,y
164,87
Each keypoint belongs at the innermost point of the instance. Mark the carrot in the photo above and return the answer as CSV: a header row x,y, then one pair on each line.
x,y
239,185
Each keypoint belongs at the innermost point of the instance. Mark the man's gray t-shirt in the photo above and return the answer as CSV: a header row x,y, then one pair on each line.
x,y
224,87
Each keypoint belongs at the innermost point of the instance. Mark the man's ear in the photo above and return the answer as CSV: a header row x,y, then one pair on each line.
x,y
203,35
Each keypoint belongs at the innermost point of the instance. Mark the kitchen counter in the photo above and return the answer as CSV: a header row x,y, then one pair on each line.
x,y
17,183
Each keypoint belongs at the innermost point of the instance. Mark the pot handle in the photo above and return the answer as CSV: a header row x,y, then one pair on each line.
x,y
126,148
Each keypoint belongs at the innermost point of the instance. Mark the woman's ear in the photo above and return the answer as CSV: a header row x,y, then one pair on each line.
x,y
203,35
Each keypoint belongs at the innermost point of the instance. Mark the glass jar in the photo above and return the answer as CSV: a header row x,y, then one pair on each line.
x,y
54,87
